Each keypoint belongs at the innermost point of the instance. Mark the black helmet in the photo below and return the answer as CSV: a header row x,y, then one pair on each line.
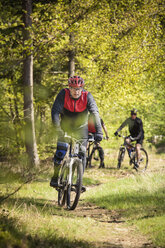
x,y
134,111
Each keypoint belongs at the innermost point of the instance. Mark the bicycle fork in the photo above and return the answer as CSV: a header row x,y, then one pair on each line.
x,y
70,172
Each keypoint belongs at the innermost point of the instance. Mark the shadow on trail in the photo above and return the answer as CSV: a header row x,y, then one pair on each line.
x,y
139,205
10,236
15,234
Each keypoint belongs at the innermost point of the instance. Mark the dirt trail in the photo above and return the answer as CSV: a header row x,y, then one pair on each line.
x,y
118,233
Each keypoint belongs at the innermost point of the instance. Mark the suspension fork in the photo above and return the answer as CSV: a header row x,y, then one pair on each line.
x,y
70,171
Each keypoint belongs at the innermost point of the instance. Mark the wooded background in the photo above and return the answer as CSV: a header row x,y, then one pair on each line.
x,y
116,46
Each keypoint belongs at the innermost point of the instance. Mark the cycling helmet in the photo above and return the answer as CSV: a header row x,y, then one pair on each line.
x,y
76,81
134,111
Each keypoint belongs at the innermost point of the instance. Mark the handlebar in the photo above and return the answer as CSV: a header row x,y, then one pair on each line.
x,y
72,138
124,137
93,140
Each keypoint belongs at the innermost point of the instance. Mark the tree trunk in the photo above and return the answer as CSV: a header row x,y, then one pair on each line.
x,y
72,49
30,139
71,56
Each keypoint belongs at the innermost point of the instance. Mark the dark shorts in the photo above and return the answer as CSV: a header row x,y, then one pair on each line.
x,y
139,141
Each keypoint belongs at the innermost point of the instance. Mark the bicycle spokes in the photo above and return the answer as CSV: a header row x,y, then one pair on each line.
x,y
143,161
74,189
62,188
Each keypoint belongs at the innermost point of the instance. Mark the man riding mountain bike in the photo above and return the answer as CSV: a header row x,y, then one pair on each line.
x,y
70,114
135,126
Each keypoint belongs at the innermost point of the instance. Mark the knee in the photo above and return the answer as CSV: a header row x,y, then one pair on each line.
x,y
61,151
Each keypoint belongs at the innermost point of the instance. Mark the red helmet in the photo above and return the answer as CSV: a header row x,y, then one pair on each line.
x,y
76,81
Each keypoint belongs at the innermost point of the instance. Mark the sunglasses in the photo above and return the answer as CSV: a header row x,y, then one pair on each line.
x,y
75,89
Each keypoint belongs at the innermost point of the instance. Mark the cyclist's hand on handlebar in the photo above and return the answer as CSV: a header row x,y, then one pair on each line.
x,y
116,133
98,137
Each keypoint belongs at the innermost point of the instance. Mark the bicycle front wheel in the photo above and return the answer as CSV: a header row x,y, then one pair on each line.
x,y
97,157
143,162
120,157
62,190
74,190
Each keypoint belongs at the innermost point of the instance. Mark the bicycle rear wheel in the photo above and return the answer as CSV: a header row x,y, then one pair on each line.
x,y
120,157
143,163
74,190
62,191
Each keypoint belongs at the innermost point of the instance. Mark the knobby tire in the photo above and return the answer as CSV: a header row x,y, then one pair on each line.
x,y
144,161
94,158
62,190
120,157
74,190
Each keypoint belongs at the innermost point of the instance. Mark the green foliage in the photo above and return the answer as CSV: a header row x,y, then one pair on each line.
x,y
118,51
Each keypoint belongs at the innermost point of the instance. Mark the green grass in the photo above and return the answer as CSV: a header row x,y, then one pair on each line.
x,y
32,218
124,193
138,199
155,228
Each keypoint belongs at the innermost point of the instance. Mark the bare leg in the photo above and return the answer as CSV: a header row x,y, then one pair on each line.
x,y
138,146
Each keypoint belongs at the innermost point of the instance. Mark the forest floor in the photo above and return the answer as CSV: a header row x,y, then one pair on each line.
x,y
118,234
88,226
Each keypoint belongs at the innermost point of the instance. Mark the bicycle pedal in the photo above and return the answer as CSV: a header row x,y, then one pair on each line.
x,y
96,159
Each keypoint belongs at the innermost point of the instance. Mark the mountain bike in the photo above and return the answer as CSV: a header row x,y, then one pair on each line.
x,y
143,163
94,153
70,176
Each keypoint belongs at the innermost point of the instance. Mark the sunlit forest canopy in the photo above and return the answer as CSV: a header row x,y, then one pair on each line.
x,y
118,49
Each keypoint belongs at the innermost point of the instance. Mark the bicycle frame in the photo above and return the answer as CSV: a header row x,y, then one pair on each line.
x,y
70,172
126,145
90,144
72,155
